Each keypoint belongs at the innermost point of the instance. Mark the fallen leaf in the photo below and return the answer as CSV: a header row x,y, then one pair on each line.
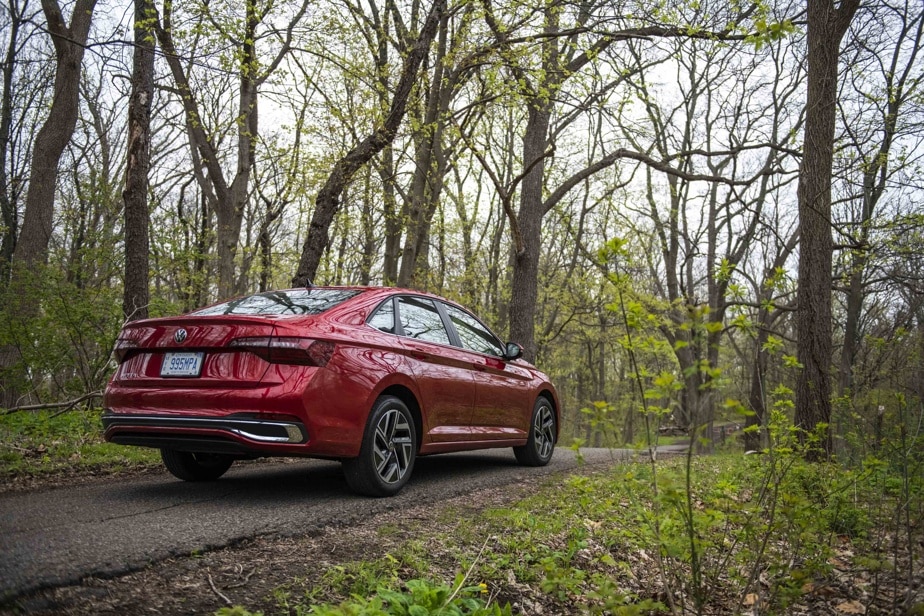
x,y
592,524
851,607
838,563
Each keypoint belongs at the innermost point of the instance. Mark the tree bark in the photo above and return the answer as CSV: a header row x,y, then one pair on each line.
x,y
393,218
826,27
524,290
327,202
135,298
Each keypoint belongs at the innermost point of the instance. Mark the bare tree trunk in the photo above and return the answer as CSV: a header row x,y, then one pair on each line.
x,y
327,202
231,213
826,27
470,277
227,200
560,60
212,183
8,205
757,396
393,219
524,290
427,183
135,298
854,309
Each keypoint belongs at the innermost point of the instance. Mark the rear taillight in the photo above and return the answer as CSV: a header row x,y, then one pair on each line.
x,y
287,350
123,348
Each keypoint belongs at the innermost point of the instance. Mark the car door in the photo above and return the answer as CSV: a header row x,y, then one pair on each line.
x,y
442,371
502,407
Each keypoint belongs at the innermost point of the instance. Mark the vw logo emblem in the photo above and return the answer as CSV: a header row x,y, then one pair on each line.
x,y
180,335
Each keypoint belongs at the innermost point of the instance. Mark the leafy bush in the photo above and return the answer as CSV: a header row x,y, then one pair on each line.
x,y
64,341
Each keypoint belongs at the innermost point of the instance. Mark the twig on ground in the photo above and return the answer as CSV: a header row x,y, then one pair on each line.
x,y
244,581
65,406
215,590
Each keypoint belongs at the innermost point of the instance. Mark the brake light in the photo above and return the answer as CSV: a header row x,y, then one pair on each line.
x,y
288,350
123,347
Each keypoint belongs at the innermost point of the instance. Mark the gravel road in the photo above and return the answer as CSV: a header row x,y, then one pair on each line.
x,y
56,537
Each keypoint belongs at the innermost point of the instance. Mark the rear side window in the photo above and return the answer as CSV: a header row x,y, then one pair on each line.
x,y
295,302
384,318
421,320
473,335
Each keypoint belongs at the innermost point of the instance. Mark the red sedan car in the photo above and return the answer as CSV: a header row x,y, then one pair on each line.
x,y
370,376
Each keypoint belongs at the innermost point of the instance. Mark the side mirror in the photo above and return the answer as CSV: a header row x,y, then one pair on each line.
x,y
513,351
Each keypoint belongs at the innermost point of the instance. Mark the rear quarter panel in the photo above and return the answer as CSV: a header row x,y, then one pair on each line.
x,y
338,398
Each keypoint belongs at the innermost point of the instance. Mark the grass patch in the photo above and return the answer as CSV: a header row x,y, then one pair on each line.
x,y
721,534
45,443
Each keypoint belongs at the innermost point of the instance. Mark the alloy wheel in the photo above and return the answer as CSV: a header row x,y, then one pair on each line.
x,y
544,431
393,447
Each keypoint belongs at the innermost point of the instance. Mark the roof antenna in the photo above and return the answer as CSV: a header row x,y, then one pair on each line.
x,y
308,283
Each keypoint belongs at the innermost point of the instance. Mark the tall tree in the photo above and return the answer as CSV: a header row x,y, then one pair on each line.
x,y
564,50
69,43
18,16
135,194
31,252
327,203
726,120
228,199
827,25
887,79
434,144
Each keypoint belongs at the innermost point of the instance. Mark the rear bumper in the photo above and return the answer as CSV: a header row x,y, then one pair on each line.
x,y
233,434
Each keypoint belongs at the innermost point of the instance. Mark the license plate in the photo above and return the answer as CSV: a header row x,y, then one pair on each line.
x,y
182,364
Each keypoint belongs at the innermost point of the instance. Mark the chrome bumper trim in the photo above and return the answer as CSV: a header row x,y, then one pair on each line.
x,y
261,431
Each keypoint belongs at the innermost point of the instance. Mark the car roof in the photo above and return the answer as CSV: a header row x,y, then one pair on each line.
x,y
377,290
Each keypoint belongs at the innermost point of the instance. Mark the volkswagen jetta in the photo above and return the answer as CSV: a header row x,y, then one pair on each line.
x,y
373,377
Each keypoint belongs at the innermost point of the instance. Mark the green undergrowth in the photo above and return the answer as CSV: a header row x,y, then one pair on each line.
x,y
41,443
719,534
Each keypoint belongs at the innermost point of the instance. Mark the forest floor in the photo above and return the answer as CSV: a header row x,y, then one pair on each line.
x,y
284,575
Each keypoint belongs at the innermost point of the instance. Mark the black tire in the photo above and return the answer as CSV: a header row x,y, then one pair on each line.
x,y
540,445
389,448
195,466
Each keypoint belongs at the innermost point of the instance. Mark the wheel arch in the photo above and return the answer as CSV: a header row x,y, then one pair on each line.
x,y
549,395
407,396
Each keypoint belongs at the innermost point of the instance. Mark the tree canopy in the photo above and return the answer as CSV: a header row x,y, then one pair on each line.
x,y
633,191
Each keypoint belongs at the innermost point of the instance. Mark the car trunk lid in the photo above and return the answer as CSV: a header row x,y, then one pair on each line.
x,y
191,352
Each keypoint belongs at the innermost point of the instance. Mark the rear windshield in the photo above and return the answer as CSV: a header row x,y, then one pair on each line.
x,y
294,302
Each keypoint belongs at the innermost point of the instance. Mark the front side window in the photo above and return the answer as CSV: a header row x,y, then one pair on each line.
x,y
421,320
474,335
294,302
